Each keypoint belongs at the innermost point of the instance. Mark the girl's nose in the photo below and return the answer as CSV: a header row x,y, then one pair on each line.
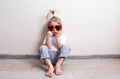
x,y
54,29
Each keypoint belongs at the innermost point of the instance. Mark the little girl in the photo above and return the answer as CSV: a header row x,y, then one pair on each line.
x,y
54,49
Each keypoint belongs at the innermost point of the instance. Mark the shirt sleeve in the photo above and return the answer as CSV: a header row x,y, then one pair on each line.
x,y
63,39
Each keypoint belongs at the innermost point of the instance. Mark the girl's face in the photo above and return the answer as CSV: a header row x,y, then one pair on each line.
x,y
54,27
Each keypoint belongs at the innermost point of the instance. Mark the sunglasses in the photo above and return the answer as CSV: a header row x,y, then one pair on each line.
x,y
57,27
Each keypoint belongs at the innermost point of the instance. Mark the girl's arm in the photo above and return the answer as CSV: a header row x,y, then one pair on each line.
x,y
49,34
58,41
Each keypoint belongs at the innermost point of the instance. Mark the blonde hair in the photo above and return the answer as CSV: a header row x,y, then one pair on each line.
x,y
53,18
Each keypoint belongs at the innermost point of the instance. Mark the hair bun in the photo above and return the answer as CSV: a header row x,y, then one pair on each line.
x,y
52,11
50,14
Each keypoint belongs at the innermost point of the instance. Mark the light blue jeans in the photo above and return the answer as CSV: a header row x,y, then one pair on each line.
x,y
53,55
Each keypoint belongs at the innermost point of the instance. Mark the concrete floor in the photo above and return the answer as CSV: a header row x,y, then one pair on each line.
x,y
73,69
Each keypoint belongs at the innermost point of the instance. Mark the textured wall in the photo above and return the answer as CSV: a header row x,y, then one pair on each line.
x,y
91,26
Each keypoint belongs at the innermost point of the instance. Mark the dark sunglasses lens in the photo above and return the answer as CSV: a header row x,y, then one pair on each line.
x,y
58,28
50,28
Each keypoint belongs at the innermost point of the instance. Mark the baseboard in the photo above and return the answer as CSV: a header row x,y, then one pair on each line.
x,y
69,57
95,57
19,56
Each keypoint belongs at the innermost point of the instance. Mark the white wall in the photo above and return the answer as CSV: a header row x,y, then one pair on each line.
x,y
91,26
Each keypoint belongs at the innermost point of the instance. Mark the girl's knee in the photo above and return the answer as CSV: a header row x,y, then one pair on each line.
x,y
66,47
43,47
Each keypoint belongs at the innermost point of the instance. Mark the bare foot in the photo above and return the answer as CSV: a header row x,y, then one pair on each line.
x,y
58,70
49,73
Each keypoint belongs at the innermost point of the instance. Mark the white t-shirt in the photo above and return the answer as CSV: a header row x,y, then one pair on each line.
x,y
53,42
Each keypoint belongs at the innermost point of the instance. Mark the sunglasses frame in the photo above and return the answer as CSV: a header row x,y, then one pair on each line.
x,y
57,27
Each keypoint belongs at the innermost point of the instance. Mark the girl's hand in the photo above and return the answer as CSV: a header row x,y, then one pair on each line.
x,y
59,33
49,34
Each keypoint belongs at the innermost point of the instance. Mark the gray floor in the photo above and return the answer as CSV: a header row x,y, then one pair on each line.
x,y
73,69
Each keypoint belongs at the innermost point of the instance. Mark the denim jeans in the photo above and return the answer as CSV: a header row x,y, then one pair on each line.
x,y
53,55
